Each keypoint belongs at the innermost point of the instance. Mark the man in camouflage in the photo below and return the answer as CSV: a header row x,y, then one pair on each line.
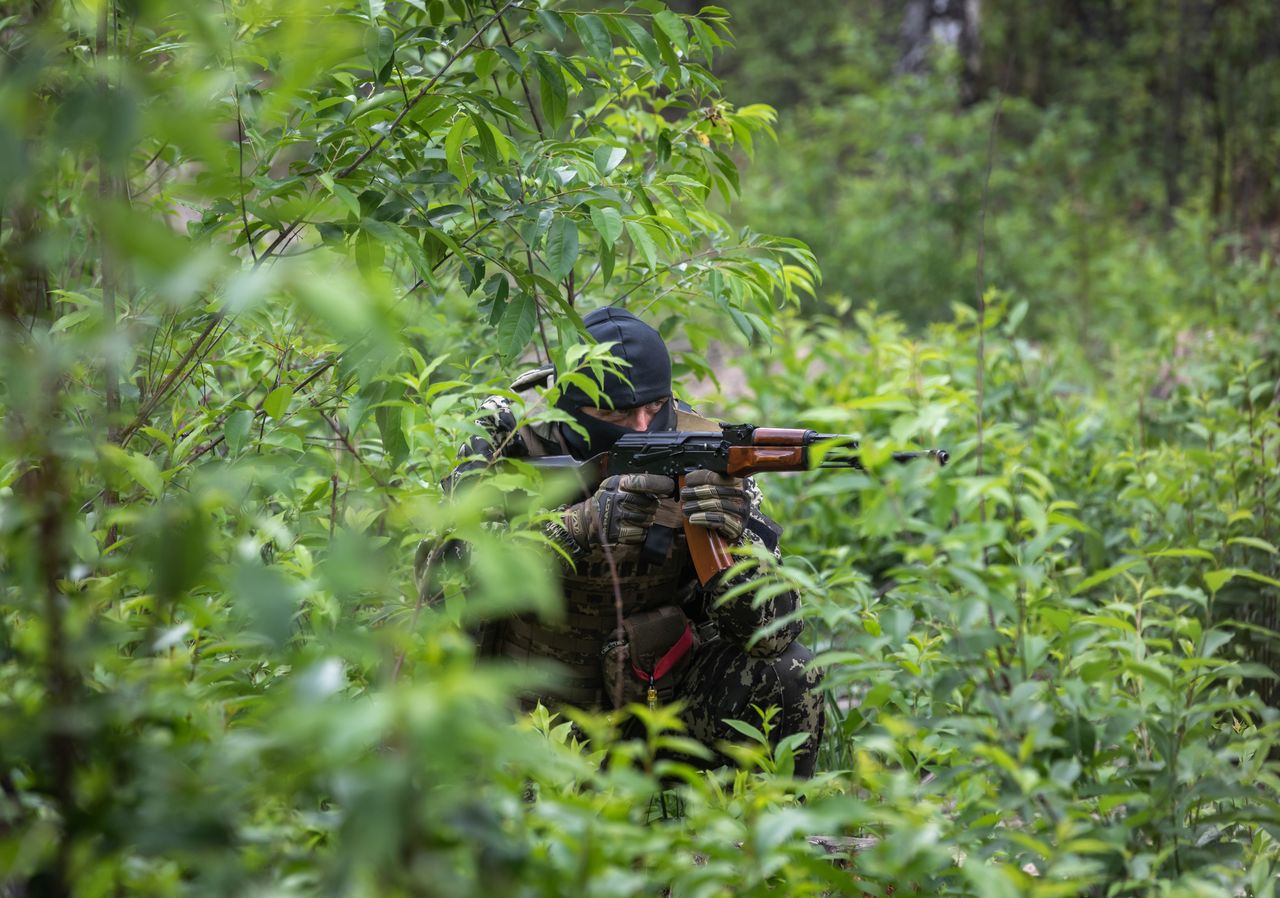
x,y
740,653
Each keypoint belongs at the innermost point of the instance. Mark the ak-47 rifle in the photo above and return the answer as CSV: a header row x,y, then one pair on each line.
x,y
737,450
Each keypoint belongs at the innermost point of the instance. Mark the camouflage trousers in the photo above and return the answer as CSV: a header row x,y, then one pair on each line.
x,y
724,682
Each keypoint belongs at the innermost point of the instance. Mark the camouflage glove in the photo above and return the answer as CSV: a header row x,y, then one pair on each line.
x,y
619,513
716,502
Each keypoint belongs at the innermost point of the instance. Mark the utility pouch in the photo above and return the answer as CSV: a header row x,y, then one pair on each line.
x,y
647,660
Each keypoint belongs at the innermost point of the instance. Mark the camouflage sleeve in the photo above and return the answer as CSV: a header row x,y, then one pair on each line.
x,y
766,605
499,439
502,438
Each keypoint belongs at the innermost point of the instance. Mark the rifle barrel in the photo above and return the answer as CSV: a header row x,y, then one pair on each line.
x,y
848,459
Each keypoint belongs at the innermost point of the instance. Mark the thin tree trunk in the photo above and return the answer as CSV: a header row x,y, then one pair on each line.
x,y
1173,120
109,193
24,287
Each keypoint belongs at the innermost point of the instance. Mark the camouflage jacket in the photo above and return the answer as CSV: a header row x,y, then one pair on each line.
x,y
763,623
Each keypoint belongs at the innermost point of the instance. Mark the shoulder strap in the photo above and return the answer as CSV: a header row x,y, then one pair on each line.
x,y
538,444
540,439
688,419
543,438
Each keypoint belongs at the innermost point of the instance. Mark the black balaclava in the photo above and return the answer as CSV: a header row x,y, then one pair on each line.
x,y
648,378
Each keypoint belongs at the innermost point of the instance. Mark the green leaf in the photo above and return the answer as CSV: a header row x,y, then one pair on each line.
x,y
147,473
993,880
264,600
562,246
553,23
553,92
454,157
277,402
394,444
501,289
1150,670
236,429
666,51
594,36
742,323
1214,639
1253,542
485,62
644,242
641,39
511,57
515,330
673,27
607,259
608,223
707,40
387,232
342,194
1215,580
1104,575
66,322
608,158
484,135
140,469
748,730
380,47
1181,553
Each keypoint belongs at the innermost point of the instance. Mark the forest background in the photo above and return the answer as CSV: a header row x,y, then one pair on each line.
x,y
262,259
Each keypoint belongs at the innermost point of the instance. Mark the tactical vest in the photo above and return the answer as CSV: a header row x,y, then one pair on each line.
x,y
591,613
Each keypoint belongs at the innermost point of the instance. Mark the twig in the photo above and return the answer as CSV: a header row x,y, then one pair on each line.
x,y
333,505
982,348
47,495
154,157
982,282
426,88
417,609
346,444
156,396
235,90
528,97
617,608
107,190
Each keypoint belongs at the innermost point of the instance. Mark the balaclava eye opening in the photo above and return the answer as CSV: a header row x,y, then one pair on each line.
x,y
649,376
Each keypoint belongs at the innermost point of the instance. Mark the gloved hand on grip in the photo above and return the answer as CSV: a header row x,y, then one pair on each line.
x,y
619,513
717,502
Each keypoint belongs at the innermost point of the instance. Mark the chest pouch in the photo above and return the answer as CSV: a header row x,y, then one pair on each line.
x,y
647,660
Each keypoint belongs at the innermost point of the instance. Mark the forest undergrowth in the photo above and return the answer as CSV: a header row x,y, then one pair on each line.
x,y
261,263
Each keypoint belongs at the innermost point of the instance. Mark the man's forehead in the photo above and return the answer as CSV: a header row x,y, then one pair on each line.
x,y
627,408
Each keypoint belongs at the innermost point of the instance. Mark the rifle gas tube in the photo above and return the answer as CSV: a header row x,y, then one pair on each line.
x,y
736,450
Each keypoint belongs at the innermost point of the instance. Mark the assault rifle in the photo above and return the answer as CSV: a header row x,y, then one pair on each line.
x,y
737,450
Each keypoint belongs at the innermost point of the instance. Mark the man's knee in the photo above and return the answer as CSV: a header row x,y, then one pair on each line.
x,y
796,673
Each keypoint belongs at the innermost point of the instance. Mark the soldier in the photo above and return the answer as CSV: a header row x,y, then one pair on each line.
x,y
677,640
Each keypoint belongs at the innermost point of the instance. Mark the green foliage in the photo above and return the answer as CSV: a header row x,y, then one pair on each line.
x,y
1045,667
261,262
1125,161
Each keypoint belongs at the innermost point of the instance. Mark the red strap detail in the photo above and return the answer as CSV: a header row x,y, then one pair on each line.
x,y
667,661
